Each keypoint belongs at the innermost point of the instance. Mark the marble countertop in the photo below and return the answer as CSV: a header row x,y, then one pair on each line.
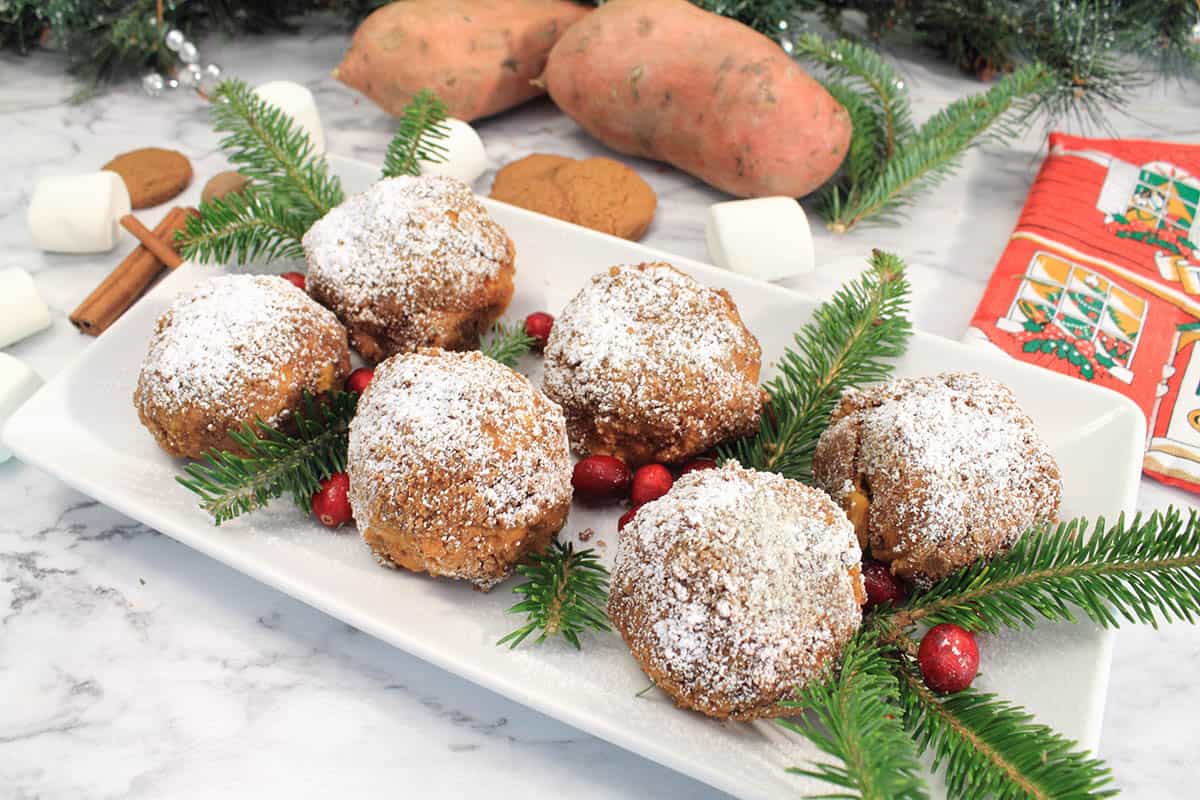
x,y
132,666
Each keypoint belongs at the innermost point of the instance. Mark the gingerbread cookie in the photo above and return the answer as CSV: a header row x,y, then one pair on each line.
x,y
223,184
597,193
152,175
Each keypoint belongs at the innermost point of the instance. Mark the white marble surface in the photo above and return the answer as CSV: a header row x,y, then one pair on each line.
x,y
131,666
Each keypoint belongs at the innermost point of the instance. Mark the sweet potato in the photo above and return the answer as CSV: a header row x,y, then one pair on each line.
x,y
478,55
666,80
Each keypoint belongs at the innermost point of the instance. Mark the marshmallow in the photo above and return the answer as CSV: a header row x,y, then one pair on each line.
x,y
22,310
764,237
297,102
465,157
78,213
17,383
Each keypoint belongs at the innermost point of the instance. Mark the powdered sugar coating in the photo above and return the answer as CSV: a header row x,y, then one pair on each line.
x,y
409,263
459,458
735,588
953,468
234,348
651,366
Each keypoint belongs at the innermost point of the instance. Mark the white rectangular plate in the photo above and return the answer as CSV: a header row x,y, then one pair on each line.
x,y
82,428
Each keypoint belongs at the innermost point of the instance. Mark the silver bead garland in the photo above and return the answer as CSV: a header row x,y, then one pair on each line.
x,y
190,74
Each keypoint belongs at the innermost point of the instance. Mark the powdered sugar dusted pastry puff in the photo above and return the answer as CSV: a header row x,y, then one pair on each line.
x,y
409,263
458,466
649,365
938,472
231,350
735,588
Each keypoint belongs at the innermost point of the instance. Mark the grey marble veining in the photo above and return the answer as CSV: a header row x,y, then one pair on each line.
x,y
132,666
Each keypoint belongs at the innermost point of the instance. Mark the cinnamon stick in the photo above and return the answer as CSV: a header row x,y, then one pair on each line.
x,y
129,280
164,251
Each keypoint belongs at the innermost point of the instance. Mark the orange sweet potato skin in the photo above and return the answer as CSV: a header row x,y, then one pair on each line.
x,y
478,55
666,80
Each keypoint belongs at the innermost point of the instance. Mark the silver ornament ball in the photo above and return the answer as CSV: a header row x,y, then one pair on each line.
x,y
152,84
174,40
187,53
189,76
172,84
210,77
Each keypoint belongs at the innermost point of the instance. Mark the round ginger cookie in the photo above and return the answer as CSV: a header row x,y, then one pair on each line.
x,y
597,193
152,175
224,184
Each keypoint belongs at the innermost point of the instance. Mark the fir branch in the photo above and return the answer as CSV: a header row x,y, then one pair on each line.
x,y
419,136
275,463
856,63
565,595
849,341
275,153
506,343
241,227
992,748
1144,571
854,716
935,151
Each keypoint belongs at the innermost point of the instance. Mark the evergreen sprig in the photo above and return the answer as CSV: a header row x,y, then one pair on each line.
x,y
564,596
507,343
419,136
274,152
890,162
854,716
850,340
994,749
273,463
1144,571
242,227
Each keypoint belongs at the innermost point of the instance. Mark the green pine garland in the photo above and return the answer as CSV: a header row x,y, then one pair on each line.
x,y
419,137
507,343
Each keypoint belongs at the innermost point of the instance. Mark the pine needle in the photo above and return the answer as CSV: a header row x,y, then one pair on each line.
x,y
507,343
854,716
268,147
994,749
849,341
275,463
241,228
419,138
564,596
1144,571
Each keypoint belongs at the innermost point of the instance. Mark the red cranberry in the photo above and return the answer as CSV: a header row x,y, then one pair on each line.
x,y
881,585
600,478
696,464
538,325
949,658
627,517
295,279
331,504
359,379
650,483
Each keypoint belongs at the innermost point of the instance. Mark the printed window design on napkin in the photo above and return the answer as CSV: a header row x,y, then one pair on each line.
x,y
1101,280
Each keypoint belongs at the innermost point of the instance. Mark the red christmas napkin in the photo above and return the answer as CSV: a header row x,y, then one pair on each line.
x,y
1101,280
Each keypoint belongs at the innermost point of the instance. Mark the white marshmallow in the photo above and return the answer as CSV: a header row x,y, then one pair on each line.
x,y
17,383
465,157
764,237
298,103
23,312
78,213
